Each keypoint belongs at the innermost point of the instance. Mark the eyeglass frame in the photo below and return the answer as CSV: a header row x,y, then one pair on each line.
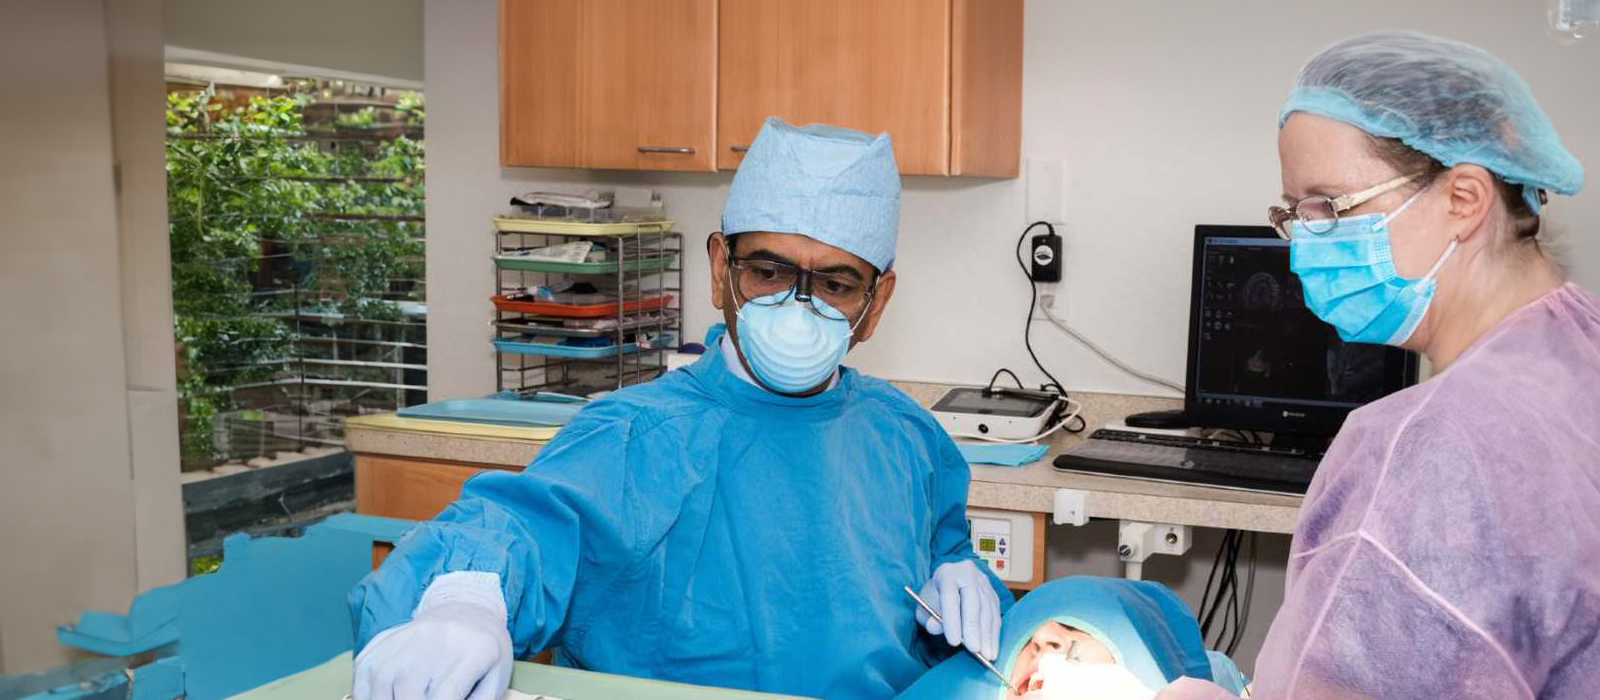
x,y
803,277
1280,217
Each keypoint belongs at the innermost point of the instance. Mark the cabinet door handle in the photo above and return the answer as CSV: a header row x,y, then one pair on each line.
x,y
739,148
666,149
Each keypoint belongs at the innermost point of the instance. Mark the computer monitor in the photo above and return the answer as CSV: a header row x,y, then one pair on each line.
x,y
1258,358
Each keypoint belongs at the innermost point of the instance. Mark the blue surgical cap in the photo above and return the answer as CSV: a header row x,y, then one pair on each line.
x,y
1452,101
837,186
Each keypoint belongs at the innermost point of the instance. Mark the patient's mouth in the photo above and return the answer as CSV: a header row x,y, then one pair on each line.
x,y
1028,683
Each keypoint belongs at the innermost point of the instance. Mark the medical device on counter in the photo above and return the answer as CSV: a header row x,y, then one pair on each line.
x,y
997,413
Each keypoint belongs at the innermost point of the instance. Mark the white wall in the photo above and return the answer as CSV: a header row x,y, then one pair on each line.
x,y
138,134
1165,114
90,508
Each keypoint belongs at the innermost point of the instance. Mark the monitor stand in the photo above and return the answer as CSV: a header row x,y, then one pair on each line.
x,y
1158,420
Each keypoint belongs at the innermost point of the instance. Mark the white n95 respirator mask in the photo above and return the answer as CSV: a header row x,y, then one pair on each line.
x,y
791,348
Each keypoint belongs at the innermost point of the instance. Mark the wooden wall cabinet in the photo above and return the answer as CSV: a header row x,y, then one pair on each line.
x,y
686,84
617,84
942,77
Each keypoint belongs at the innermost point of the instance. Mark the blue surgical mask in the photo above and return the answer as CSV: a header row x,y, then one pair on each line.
x,y
790,348
1350,282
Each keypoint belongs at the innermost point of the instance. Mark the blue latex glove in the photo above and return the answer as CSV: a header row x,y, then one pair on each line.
x,y
961,593
456,646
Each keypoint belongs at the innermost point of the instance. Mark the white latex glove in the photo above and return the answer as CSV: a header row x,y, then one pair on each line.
x,y
970,608
1070,680
456,646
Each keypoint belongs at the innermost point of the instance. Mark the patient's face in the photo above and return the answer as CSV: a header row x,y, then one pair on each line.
x,y
1059,638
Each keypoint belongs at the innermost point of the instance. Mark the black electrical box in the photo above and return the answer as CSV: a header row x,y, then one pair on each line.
x,y
1046,255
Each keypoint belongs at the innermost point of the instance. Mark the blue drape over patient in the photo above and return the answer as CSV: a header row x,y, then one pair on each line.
x,y
1150,631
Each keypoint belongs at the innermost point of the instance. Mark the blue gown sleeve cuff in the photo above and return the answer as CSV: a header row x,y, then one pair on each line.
x,y
475,587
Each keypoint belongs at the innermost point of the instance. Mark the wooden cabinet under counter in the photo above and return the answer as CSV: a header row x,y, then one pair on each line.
x,y
414,469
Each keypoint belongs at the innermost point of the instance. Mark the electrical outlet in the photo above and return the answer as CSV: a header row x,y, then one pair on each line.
x,y
1138,541
1173,539
1052,298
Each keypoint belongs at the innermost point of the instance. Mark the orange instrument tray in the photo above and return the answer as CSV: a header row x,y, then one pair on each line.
x,y
559,310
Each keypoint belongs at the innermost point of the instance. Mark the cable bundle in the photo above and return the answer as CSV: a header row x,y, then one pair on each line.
x,y
1234,611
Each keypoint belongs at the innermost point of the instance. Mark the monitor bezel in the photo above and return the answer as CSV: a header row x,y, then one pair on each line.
x,y
1284,417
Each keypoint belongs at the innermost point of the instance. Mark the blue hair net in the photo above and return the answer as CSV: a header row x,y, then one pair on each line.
x,y
835,185
1452,101
1147,628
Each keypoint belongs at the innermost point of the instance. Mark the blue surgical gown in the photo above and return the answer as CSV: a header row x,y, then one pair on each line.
x,y
702,530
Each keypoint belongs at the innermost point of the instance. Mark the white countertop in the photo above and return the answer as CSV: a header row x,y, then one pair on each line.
x,y
1031,488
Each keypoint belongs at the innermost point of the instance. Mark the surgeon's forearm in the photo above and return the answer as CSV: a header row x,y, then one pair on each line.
x,y
474,540
484,532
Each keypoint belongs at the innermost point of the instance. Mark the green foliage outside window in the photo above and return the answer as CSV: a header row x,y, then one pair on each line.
x,y
265,219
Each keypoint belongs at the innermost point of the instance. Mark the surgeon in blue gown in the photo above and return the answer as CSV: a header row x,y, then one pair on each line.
x,y
748,521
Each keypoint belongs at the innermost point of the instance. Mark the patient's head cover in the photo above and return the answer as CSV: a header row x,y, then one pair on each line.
x,y
1132,637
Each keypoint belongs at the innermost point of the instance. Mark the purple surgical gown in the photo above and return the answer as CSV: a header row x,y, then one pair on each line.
x,y
1450,544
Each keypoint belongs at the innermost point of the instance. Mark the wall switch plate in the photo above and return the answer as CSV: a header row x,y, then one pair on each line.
x,y
1047,190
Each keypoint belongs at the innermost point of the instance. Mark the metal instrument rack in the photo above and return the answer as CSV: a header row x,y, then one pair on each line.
x,y
643,321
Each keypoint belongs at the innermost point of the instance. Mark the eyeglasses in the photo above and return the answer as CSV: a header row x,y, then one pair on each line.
x,y
769,283
1319,213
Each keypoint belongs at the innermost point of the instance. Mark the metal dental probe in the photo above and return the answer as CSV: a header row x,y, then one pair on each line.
x,y
975,655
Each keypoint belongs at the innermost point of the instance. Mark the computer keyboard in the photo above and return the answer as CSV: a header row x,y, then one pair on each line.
x,y
1192,460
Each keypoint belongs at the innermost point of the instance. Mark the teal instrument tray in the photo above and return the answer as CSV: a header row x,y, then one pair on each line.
x,y
645,264
517,347
495,411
